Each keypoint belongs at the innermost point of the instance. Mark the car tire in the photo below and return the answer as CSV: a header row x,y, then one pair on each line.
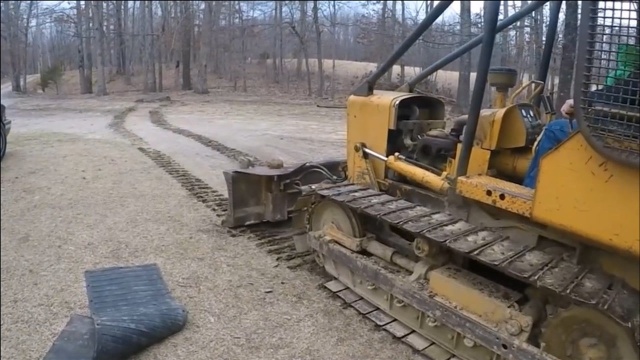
x,y
3,143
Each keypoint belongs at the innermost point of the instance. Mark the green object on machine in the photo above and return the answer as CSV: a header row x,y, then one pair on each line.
x,y
627,59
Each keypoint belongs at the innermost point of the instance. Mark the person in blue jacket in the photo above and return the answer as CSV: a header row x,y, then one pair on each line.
x,y
552,135
620,87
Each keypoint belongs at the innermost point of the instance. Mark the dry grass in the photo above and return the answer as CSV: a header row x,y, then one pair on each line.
x,y
348,75
71,204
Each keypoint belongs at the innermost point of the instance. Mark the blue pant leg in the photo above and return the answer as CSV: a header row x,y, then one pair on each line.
x,y
553,134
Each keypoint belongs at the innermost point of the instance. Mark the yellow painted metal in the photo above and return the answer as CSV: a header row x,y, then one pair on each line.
x,y
368,121
472,293
478,162
581,192
538,86
511,162
423,177
495,192
501,129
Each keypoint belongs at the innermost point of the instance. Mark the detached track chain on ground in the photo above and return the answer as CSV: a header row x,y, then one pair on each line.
x,y
274,239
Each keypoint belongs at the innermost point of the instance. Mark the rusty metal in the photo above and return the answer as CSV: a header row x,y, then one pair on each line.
x,y
606,85
263,194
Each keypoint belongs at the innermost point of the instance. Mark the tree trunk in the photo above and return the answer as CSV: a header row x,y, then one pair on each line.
x,y
382,33
176,49
302,31
464,79
187,25
569,38
391,41
101,88
14,56
26,44
505,51
280,41
81,50
274,51
161,44
122,48
403,32
316,23
152,49
88,48
145,47
334,29
215,37
205,41
521,47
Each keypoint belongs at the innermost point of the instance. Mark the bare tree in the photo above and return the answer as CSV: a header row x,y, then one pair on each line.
x,y
101,89
391,39
505,51
316,24
403,34
88,50
81,50
274,52
187,25
569,38
26,43
302,39
151,51
122,8
334,29
10,18
464,78
205,40
145,48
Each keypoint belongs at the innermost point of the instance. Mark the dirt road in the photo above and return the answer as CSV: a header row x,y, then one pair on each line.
x,y
77,195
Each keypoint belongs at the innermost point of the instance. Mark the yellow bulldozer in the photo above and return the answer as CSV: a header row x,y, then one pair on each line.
x,y
435,228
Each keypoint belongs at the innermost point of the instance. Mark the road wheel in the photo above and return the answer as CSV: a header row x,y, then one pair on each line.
x,y
3,143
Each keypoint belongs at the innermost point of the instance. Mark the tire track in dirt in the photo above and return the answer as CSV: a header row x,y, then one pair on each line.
x,y
158,119
275,239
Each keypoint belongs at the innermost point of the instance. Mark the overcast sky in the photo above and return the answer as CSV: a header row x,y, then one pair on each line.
x,y
476,6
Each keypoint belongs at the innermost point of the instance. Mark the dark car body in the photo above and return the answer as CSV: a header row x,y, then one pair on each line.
x,y
6,123
6,129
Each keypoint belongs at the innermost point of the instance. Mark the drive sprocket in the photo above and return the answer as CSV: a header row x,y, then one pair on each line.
x,y
580,333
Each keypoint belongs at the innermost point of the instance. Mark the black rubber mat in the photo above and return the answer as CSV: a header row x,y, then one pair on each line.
x,y
131,309
75,342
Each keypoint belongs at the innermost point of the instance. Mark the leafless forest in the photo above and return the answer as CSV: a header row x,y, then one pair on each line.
x,y
102,47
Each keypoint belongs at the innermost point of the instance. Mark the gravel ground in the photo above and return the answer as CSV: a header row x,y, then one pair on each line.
x,y
80,199
292,132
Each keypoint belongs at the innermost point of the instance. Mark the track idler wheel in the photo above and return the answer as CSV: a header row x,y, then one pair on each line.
x,y
328,213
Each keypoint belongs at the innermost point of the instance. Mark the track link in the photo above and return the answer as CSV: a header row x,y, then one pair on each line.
x,y
273,238
551,269
426,348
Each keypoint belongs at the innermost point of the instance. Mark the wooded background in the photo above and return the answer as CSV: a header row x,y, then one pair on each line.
x,y
197,45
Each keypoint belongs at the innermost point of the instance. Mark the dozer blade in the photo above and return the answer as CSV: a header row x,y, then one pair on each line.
x,y
263,194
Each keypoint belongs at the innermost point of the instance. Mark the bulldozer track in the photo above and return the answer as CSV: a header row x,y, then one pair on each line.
x,y
552,269
158,119
275,240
